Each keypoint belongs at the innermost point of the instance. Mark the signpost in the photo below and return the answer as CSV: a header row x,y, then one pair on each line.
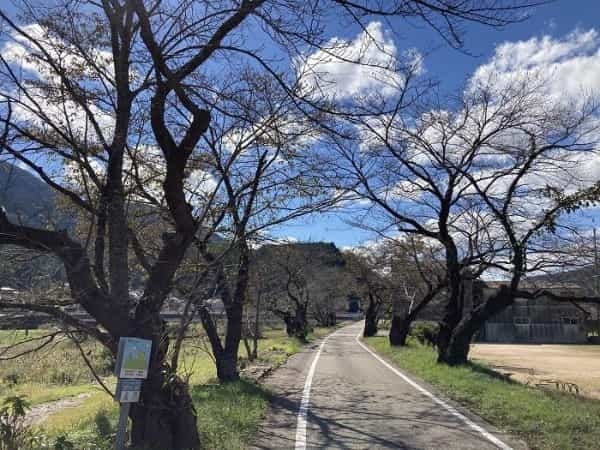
x,y
128,391
133,360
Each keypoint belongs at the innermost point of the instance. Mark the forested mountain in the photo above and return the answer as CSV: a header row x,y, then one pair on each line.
x,y
28,200
584,277
25,197
313,272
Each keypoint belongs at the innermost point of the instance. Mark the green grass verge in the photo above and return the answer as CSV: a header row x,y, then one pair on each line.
x,y
544,419
229,414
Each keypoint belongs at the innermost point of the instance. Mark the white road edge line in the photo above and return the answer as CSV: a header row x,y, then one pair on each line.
x,y
490,437
303,410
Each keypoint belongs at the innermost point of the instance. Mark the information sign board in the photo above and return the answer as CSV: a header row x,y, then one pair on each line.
x,y
133,358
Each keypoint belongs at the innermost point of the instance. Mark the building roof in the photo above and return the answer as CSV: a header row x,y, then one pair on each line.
x,y
532,285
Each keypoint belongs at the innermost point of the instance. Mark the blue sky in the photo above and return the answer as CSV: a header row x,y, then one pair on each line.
x,y
451,68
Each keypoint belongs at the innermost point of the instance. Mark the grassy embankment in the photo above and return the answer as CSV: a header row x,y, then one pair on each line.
x,y
227,414
544,419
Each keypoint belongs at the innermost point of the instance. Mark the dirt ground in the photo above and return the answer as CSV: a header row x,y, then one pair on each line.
x,y
538,364
39,413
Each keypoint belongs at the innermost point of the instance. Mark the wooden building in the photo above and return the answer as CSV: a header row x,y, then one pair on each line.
x,y
539,321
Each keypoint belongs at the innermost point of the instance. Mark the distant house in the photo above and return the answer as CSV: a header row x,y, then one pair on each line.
x,y
538,321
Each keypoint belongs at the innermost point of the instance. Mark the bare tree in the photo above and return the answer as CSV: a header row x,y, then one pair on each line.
x,y
426,170
408,173
300,279
258,287
371,273
79,92
519,177
447,17
256,150
420,277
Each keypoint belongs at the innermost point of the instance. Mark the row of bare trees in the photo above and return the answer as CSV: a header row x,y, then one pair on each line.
x,y
489,181
164,124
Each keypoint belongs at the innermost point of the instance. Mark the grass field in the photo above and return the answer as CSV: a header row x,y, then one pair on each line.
x,y
227,414
56,371
544,419
578,364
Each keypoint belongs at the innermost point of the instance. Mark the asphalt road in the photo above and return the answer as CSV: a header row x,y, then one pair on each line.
x,y
356,401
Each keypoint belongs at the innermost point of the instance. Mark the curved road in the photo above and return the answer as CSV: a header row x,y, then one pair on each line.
x,y
338,394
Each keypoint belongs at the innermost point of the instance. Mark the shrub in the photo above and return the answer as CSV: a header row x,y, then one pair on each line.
x,y
104,428
106,362
62,443
14,434
12,378
425,332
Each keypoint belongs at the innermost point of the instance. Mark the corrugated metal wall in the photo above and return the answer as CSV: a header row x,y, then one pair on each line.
x,y
534,333
540,321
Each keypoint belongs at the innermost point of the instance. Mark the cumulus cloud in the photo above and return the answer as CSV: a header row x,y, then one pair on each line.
x,y
570,63
366,64
45,103
20,50
553,73
287,134
567,69
200,185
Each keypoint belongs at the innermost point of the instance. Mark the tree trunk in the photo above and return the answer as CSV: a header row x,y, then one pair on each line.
x,y
371,319
227,369
399,330
296,325
301,323
254,348
447,329
165,418
332,321
225,356
248,349
256,334
290,325
371,326
457,351
400,326
452,317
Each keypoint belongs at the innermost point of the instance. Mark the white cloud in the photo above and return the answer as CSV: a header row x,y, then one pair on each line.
x,y
567,71
44,102
20,50
286,133
363,65
200,185
571,63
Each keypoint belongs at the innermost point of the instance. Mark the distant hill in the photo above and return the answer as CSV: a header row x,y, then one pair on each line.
x,y
583,277
26,198
321,264
324,254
